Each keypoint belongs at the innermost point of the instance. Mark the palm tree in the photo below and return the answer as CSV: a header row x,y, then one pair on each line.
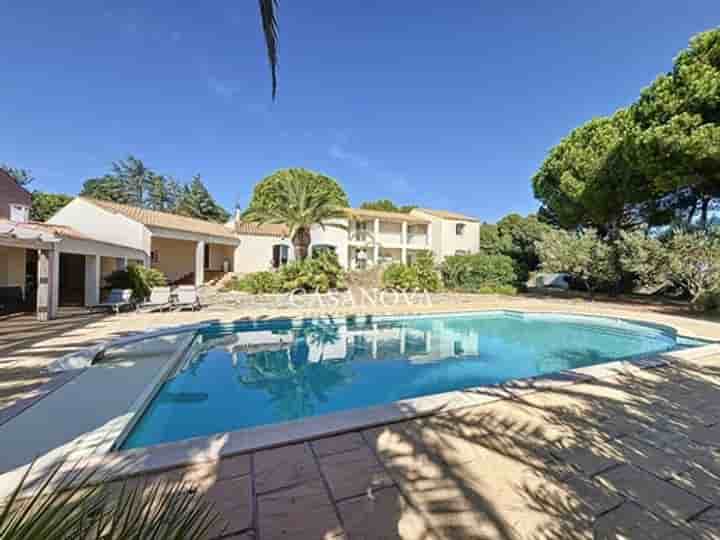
x,y
299,209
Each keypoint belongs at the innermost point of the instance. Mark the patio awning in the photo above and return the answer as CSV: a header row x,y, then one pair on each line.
x,y
26,234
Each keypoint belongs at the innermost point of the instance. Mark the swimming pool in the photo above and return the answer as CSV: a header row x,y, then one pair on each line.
x,y
247,375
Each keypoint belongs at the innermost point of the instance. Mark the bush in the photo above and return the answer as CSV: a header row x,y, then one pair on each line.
x,y
257,283
508,290
420,275
138,278
319,274
584,256
479,271
400,276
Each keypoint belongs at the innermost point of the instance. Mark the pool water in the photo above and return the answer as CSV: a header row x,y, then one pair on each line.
x,y
251,375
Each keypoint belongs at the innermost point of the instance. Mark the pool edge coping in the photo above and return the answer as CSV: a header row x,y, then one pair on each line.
x,y
117,465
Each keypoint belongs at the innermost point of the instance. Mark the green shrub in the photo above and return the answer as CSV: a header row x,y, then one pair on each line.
x,y
400,276
265,282
321,274
507,290
478,271
419,275
427,274
138,278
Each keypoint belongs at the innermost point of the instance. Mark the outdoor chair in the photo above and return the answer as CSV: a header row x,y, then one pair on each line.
x,y
160,299
186,297
116,300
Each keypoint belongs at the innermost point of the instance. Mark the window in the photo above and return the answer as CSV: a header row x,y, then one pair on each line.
x,y
460,229
19,213
280,255
460,252
154,257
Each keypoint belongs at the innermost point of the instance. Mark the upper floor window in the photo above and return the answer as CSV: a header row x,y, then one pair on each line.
x,y
19,213
460,229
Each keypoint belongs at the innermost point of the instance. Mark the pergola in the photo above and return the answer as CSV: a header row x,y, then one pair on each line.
x,y
46,243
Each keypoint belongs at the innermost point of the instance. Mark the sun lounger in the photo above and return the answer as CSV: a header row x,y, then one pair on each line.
x,y
118,299
186,297
160,299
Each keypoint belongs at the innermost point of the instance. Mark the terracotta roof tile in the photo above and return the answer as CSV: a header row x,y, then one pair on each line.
x,y
165,220
445,214
391,216
244,227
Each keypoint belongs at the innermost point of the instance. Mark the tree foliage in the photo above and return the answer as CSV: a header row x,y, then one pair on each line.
x,y
690,260
45,205
270,193
132,182
298,199
656,163
196,201
585,256
386,205
480,272
23,177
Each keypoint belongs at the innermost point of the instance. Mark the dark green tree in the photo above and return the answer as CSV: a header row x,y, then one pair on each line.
x,y
45,205
197,202
269,193
135,177
386,205
106,188
22,176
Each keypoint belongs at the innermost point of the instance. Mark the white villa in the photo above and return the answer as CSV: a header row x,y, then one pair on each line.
x,y
63,262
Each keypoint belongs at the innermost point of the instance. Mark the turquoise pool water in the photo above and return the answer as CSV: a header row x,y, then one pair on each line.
x,y
250,375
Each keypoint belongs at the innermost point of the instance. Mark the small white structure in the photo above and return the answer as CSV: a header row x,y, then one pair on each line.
x,y
186,250
452,233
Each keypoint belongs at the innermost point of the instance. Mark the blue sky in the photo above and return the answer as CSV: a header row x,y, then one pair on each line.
x,y
446,105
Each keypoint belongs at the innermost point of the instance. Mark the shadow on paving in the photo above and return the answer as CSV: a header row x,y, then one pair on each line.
x,y
635,456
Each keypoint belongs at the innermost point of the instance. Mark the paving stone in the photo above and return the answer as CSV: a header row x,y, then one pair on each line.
x,y
283,467
707,524
594,497
233,500
706,435
300,512
384,516
664,462
589,460
353,473
699,482
663,498
337,444
632,522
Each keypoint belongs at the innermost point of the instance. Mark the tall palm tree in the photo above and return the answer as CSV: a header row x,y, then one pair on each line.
x,y
299,209
268,10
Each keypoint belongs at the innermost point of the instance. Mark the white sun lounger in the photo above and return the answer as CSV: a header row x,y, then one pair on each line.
x,y
186,297
160,299
117,299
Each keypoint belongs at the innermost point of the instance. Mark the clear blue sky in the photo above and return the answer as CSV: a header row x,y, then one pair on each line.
x,y
442,104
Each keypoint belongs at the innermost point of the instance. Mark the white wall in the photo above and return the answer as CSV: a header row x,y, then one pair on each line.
x,y
103,225
12,267
255,253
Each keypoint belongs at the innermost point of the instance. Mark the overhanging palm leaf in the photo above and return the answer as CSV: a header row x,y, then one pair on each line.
x,y
268,9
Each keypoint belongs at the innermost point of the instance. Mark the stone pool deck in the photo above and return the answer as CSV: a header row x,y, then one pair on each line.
x,y
634,454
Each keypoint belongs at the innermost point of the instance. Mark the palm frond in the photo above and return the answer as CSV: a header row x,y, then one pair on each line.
x,y
268,10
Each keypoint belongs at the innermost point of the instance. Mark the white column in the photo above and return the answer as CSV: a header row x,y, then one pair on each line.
x,y
92,280
199,264
48,286
404,237
376,238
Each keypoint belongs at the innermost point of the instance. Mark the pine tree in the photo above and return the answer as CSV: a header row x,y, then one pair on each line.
x,y
106,188
135,177
197,202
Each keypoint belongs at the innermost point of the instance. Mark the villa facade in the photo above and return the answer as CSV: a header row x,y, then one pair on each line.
x,y
65,261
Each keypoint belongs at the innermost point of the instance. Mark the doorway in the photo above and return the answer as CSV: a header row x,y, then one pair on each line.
x,y
72,280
